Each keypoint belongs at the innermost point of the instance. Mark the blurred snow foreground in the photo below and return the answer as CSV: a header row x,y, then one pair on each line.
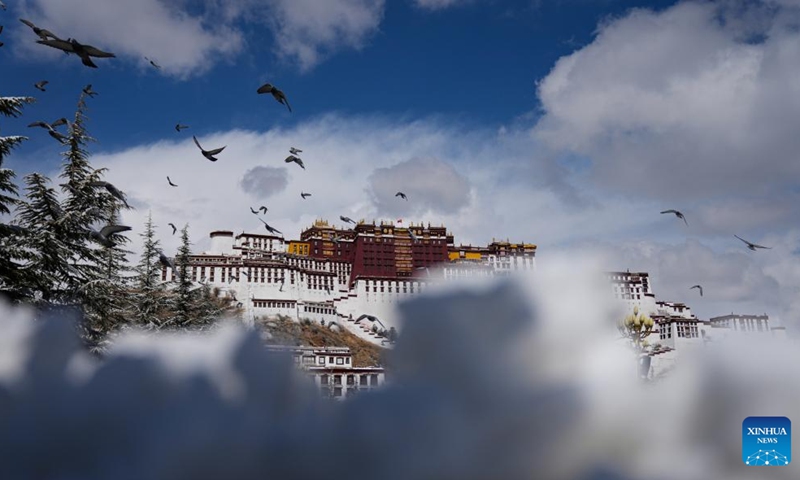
x,y
511,380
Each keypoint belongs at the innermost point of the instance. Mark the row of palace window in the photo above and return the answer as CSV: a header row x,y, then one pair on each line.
x,y
323,310
747,324
326,379
408,287
320,360
684,330
272,304
259,243
627,296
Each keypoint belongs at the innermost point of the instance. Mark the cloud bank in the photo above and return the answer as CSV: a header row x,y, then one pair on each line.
x,y
518,397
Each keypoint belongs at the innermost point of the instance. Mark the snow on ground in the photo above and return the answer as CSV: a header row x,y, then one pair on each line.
x,y
517,379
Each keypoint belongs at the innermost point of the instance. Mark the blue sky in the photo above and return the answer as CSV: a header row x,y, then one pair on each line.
x,y
570,124
475,64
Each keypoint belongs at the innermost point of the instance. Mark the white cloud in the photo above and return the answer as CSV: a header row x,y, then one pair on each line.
x,y
429,184
676,104
308,30
440,4
186,41
264,182
181,43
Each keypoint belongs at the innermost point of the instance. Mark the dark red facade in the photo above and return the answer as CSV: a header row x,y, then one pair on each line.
x,y
380,250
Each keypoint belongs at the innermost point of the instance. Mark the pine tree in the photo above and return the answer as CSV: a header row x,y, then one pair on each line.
x,y
184,297
148,301
98,279
10,241
84,206
47,257
104,299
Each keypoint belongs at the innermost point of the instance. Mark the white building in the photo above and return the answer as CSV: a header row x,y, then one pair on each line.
x,y
333,372
676,328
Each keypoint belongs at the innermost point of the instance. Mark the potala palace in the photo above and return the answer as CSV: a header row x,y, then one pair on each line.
x,y
354,276
339,275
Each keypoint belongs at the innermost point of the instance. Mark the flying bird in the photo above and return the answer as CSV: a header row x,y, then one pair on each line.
x,y
153,63
699,287
401,195
170,182
304,195
246,274
751,246
174,228
371,318
263,209
254,211
114,191
347,219
292,158
58,136
270,229
277,94
88,91
40,85
40,32
165,260
677,214
209,154
85,52
179,127
2,5
59,122
414,238
294,151
103,237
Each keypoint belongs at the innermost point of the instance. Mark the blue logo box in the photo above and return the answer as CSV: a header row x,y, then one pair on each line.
x,y
767,441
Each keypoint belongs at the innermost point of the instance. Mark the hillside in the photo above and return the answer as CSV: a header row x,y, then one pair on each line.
x,y
285,331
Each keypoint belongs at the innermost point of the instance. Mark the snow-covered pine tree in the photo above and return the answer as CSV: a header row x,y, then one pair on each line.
x,y
46,256
210,306
183,299
149,294
105,298
99,271
10,241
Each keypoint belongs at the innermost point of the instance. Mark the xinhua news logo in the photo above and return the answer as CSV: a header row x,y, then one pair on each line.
x,y
767,441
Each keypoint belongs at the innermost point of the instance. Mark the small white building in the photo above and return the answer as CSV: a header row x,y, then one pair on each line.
x,y
333,372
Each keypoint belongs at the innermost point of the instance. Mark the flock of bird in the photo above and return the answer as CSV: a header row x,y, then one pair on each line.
x,y
752,246
86,53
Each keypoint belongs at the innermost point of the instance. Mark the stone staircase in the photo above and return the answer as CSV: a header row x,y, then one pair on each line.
x,y
362,329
